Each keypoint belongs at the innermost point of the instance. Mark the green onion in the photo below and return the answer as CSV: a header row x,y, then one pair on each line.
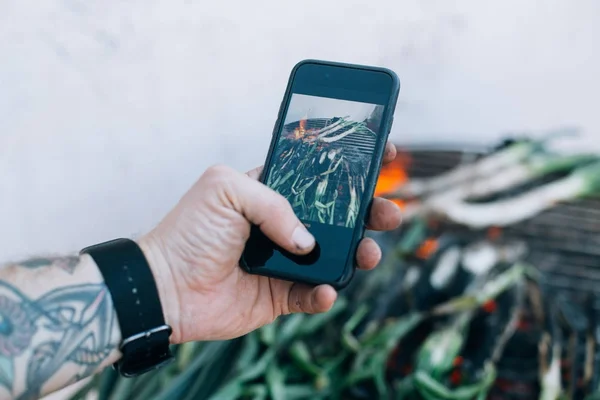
x,y
508,178
551,380
580,183
482,169
465,173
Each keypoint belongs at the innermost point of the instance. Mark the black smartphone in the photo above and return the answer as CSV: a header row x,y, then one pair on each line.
x,y
325,157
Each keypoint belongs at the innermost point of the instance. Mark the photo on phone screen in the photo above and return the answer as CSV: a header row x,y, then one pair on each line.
x,y
323,156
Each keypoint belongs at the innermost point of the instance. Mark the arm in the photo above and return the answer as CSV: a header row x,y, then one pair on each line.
x,y
57,325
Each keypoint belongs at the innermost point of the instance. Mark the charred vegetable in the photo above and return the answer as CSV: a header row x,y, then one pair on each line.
x,y
320,174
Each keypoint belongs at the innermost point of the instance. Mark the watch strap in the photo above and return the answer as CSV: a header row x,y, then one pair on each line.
x,y
128,277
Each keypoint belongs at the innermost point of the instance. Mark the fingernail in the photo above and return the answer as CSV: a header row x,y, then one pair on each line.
x,y
302,238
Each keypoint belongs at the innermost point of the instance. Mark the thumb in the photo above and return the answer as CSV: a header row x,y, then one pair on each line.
x,y
271,212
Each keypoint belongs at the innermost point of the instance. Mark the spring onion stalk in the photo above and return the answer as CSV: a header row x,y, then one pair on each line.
x,y
353,206
431,389
375,349
511,326
550,380
490,290
332,129
339,124
331,139
486,167
506,179
275,379
389,269
446,268
468,172
481,256
436,356
302,358
581,183
178,384
477,259
185,354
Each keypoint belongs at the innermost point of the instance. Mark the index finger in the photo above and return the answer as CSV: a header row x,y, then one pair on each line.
x,y
389,154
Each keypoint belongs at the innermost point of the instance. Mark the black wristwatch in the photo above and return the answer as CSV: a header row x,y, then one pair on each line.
x,y
127,275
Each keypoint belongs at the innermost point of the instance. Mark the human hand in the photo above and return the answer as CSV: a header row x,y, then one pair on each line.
x,y
194,254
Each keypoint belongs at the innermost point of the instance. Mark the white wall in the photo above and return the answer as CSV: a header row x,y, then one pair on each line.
x,y
110,109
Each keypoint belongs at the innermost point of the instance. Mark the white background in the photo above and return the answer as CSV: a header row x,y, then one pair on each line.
x,y
109,110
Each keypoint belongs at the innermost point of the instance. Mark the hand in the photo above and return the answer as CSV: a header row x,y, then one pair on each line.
x,y
194,255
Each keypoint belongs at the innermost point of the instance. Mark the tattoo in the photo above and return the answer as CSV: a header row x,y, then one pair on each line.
x,y
68,327
67,264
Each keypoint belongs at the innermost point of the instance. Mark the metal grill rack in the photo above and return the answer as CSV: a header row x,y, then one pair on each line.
x,y
362,139
564,241
564,244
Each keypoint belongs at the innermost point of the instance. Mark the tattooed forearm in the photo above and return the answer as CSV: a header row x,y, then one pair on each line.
x,y
55,329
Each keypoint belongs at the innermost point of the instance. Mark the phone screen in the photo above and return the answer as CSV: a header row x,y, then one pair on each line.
x,y
322,161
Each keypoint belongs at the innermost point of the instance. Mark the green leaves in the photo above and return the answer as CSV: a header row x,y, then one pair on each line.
x,y
374,349
276,382
272,359
431,389
7,371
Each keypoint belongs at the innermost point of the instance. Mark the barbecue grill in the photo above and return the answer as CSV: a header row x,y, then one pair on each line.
x,y
564,244
564,241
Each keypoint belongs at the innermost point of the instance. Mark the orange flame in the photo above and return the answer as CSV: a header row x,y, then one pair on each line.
x,y
393,176
300,131
494,233
302,124
427,248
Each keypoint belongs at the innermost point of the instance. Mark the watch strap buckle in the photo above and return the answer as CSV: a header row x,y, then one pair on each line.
x,y
145,351
145,335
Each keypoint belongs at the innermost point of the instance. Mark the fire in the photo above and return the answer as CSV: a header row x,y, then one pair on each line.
x,y
427,248
300,131
494,233
393,176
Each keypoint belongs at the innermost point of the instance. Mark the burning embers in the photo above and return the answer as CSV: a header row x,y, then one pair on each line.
x,y
393,176
303,131
300,131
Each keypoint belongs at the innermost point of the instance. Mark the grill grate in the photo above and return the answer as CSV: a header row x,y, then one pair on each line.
x,y
564,241
362,139
564,244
